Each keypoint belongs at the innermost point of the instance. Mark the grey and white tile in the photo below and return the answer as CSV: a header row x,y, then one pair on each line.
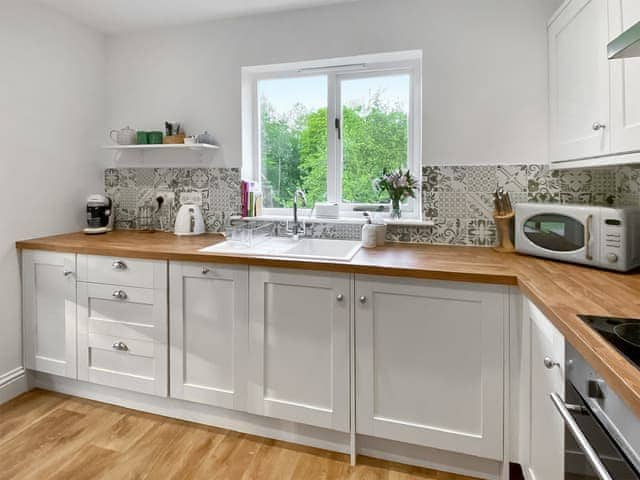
x,y
513,178
576,181
481,178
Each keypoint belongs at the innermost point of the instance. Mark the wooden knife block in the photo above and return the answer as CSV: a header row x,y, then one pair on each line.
x,y
504,228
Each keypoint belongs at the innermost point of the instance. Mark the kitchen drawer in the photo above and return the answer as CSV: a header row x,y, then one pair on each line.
x,y
129,272
129,312
137,317
125,363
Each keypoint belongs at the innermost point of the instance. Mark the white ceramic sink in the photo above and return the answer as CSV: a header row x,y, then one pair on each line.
x,y
312,248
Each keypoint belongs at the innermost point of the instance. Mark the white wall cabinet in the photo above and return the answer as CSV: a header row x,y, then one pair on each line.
x,y
594,105
49,312
625,78
299,346
546,351
122,328
579,81
209,333
430,363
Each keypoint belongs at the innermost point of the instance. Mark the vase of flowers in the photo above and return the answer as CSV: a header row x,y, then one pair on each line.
x,y
400,185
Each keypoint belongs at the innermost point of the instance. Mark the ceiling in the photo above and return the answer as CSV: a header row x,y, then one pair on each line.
x,y
117,16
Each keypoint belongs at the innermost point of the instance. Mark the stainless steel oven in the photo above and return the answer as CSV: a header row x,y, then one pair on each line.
x,y
602,439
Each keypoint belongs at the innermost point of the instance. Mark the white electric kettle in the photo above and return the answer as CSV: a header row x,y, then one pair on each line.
x,y
189,221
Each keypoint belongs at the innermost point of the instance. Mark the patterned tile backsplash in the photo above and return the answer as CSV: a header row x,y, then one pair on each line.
x,y
457,198
133,188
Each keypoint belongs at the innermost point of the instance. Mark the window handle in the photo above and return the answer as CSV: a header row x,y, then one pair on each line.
x,y
338,128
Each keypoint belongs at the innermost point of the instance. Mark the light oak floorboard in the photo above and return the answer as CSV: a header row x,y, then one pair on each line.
x,y
49,435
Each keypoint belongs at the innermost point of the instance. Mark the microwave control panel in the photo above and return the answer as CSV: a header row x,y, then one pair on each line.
x,y
613,234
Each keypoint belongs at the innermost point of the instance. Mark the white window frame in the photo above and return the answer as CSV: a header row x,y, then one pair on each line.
x,y
336,70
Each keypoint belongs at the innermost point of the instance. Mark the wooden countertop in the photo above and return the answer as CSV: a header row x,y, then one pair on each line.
x,y
561,291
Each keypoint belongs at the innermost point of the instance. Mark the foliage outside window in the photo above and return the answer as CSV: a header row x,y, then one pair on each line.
x,y
332,133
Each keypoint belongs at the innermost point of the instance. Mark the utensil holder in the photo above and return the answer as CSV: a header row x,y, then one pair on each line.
x,y
173,139
504,228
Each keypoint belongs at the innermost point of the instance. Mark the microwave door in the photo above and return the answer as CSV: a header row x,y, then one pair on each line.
x,y
561,236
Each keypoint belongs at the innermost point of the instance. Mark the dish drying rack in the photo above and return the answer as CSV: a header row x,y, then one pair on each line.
x,y
250,234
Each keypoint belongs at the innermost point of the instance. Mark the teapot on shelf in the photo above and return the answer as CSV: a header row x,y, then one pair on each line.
x,y
205,137
124,136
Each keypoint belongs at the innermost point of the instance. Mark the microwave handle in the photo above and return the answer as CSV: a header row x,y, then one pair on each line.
x,y
587,237
580,438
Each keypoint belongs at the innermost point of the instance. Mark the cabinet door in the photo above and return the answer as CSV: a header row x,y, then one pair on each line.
x,y
299,346
546,449
122,336
209,333
579,81
49,312
430,363
625,76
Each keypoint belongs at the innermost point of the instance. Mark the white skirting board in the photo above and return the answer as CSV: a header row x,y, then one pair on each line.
x,y
12,384
276,429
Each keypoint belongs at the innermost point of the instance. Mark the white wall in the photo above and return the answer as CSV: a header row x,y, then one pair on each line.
x,y
51,119
485,70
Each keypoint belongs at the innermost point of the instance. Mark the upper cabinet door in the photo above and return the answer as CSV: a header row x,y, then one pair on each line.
x,y
49,312
209,333
579,81
430,363
299,346
625,75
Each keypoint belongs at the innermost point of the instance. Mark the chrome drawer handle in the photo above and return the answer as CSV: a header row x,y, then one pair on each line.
x,y
119,265
597,126
340,297
120,294
363,300
67,273
205,270
120,346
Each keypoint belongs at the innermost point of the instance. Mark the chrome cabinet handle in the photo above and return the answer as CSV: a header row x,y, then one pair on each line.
x,y
67,273
120,346
580,438
340,297
120,294
549,363
587,237
363,299
119,265
205,270
597,126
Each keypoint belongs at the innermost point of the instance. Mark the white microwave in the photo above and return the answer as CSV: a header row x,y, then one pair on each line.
x,y
602,237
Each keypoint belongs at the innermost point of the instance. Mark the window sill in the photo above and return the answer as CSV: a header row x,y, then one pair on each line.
x,y
401,222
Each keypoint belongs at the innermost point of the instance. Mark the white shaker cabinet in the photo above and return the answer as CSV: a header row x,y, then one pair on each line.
x,y
546,350
209,333
579,81
430,363
299,346
625,78
49,312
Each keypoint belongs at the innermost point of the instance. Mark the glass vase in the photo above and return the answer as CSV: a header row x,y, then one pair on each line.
x,y
395,208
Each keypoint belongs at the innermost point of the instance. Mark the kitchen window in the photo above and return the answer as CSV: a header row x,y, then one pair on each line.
x,y
330,128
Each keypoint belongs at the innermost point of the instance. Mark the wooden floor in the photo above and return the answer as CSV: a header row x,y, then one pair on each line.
x,y
45,435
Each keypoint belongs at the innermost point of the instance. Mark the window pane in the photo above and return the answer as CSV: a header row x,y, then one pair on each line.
x,y
375,117
293,139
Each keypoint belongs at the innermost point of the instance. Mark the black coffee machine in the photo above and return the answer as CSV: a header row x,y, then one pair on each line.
x,y
99,214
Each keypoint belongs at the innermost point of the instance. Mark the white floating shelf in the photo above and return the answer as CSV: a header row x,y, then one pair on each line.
x,y
162,146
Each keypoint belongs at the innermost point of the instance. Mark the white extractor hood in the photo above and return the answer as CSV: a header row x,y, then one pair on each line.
x,y
626,45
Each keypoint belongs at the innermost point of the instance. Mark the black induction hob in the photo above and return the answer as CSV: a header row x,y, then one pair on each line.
x,y
622,333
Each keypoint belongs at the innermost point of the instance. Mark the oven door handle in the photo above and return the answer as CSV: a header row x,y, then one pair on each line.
x,y
580,438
